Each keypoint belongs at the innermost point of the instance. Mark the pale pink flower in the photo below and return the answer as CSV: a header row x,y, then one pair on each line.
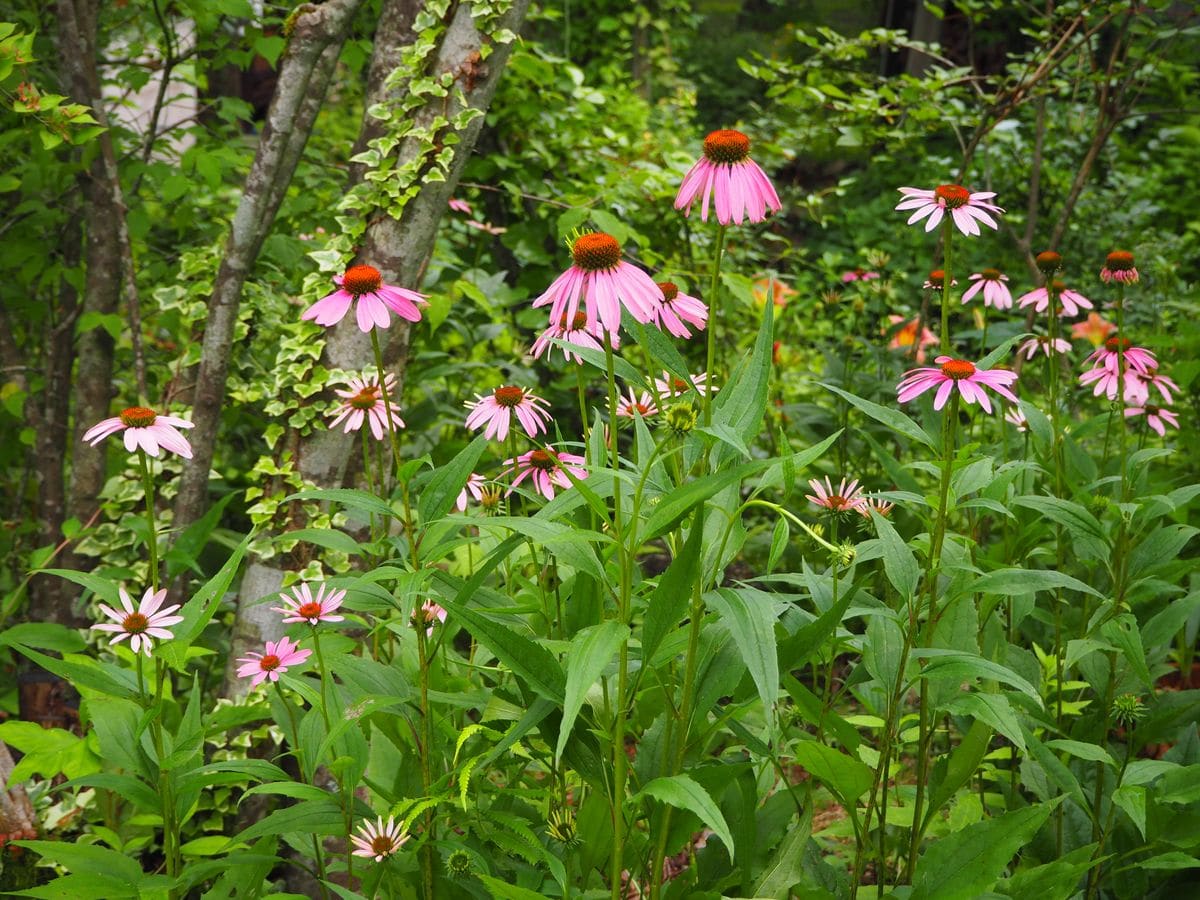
x,y
878,504
1160,383
274,662
1156,417
847,496
302,606
362,402
678,308
995,291
858,275
1119,267
1017,418
1106,381
144,428
496,412
937,280
473,488
1042,344
486,227
461,206
668,386
1072,301
546,467
1138,359
951,373
577,334
633,405
1094,329
905,337
142,623
377,840
966,209
363,287
604,282
741,188
429,614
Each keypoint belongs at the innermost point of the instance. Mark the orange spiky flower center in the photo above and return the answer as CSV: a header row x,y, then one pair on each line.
x,y
508,396
542,459
1048,261
1117,343
726,146
575,324
937,277
596,251
366,398
360,280
382,845
137,417
311,610
136,623
1119,261
990,274
669,289
958,369
1058,286
269,662
952,195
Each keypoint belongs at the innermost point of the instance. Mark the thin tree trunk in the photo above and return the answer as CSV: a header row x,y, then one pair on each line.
x,y
304,75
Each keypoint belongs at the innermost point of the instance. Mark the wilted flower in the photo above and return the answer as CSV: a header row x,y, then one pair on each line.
x,y
1119,267
995,291
1042,344
937,280
279,656
966,209
363,286
302,606
474,488
362,402
143,428
561,826
142,623
741,188
428,615
951,373
546,469
1017,418
496,412
604,282
376,840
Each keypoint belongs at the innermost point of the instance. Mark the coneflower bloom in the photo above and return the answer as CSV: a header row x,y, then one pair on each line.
x,y
378,841
1042,344
363,287
604,283
1017,418
144,428
846,497
726,172
951,373
461,206
141,623
546,469
967,209
1106,381
277,658
677,308
1095,329
905,337
1156,417
1160,383
669,386
362,401
302,606
1109,355
995,291
473,488
937,280
496,412
1119,267
577,333
427,615
1071,301
858,275
634,405
878,504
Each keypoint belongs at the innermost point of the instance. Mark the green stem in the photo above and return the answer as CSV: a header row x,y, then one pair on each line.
x,y
714,316
428,848
152,534
318,852
948,278
583,415
396,459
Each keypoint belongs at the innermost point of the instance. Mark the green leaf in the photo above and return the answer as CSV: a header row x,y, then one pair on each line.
x,y
82,671
444,487
43,636
741,403
198,611
682,792
1083,751
88,859
668,602
329,538
1014,581
965,865
993,709
590,653
1123,632
892,418
348,497
899,563
960,768
846,776
103,588
306,817
882,650
1090,542
502,890
1131,798
661,349
752,626
967,666
786,866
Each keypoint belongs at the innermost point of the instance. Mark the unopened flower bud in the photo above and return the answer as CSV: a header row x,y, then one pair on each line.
x,y
1048,262
681,418
1128,709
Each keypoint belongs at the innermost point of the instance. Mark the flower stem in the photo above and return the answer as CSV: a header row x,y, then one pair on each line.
x,y
428,848
152,533
714,315
583,415
396,459
947,279
318,854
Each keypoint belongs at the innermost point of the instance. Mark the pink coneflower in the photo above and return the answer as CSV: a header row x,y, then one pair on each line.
x,y
1017,418
377,840
363,286
274,662
1160,383
1042,344
547,470
144,428
1072,301
1107,380
677,308
634,405
965,208
362,401
858,275
878,504
461,206
473,488
669,386
1095,329
937,280
847,496
960,373
1138,359
1119,267
496,412
604,282
142,623
905,337
302,606
741,188
576,333
1156,417
995,291
486,227
427,615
